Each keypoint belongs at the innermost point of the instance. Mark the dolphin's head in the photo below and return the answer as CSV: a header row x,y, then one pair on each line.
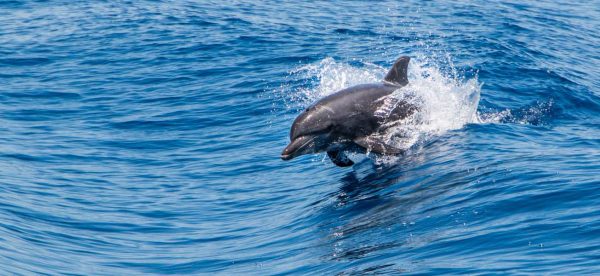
x,y
311,132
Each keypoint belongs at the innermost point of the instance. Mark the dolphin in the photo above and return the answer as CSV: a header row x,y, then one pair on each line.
x,y
350,120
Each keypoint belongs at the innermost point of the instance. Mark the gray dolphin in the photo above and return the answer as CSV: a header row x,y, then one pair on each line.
x,y
348,119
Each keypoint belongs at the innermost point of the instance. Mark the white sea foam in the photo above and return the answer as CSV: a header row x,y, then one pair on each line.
x,y
533,114
332,76
444,101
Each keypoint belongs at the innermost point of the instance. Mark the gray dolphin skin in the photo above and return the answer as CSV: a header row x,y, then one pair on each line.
x,y
346,120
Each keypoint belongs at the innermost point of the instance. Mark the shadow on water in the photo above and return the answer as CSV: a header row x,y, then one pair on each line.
x,y
376,208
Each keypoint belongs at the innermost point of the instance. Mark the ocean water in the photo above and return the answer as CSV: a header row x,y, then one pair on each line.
x,y
143,137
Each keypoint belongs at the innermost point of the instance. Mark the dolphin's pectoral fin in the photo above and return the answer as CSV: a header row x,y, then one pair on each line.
x,y
398,73
339,158
377,145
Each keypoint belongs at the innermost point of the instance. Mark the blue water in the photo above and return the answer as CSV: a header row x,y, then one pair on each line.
x,y
143,137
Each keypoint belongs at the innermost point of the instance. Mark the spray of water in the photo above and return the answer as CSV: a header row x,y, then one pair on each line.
x,y
444,102
537,113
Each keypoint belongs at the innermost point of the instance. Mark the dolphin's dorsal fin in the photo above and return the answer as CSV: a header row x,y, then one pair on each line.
x,y
398,74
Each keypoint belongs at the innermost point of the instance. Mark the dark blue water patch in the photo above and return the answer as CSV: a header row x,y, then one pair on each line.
x,y
12,4
147,146
354,32
24,61
147,124
43,95
41,114
199,48
237,21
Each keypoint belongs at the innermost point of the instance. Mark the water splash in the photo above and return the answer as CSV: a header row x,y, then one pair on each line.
x,y
444,102
327,77
537,113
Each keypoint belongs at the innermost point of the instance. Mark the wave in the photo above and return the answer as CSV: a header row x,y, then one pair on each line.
x,y
538,113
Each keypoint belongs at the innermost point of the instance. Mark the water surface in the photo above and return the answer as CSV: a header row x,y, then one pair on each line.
x,y
144,138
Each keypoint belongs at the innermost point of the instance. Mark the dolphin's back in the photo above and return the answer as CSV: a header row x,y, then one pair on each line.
x,y
353,110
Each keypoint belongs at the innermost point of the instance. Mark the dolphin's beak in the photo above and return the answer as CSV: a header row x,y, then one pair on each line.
x,y
286,157
299,146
